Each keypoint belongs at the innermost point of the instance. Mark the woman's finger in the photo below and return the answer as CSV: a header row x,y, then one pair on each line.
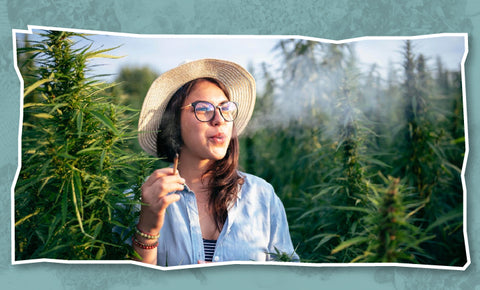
x,y
167,184
155,211
157,174
169,199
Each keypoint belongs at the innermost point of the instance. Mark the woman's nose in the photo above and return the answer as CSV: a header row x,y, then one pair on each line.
x,y
218,118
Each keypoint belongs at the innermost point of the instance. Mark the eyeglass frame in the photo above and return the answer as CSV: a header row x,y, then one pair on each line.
x,y
214,111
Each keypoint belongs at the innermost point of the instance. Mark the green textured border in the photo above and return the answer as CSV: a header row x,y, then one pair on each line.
x,y
336,20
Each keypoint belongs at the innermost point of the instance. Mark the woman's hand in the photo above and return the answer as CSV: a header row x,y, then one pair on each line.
x,y
155,198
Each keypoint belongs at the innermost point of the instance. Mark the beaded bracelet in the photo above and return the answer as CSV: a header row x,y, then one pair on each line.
x,y
144,246
145,235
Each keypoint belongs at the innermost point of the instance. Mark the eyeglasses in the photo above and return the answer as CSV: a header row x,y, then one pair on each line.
x,y
205,111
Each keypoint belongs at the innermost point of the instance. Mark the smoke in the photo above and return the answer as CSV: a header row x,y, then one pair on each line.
x,y
310,91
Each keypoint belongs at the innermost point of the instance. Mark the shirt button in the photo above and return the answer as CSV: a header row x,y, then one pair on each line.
x,y
216,258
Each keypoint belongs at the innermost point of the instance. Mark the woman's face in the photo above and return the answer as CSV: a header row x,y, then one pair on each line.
x,y
204,140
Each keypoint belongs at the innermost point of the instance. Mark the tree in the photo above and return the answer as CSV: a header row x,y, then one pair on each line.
x,y
133,84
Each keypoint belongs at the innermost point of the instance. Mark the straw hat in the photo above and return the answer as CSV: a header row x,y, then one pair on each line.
x,y
239,83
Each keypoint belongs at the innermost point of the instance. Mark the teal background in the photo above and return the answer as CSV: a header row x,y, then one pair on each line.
x,y
338,19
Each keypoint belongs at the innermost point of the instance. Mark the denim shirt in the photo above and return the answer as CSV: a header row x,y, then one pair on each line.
x,y
255,228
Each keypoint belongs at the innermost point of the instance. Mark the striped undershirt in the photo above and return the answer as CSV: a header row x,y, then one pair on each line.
x,y
209,246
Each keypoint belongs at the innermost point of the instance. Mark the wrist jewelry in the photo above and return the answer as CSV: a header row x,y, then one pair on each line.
x,y
144,246
146,235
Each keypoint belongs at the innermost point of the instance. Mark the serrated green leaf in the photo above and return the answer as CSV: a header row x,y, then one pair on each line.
x,y
35,85
79,119
106,121
43,116
349,243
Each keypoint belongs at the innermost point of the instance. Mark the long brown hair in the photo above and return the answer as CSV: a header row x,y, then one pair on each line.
x,y
224,179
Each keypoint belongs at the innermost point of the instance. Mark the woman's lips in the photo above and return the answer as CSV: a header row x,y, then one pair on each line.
x,y
218,138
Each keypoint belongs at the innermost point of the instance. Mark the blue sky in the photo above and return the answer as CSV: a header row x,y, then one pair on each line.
x,y
449,48
163,52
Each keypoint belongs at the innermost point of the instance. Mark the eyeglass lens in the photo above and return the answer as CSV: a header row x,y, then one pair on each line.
x,y
205,111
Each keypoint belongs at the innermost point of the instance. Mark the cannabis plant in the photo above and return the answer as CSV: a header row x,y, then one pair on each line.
x,y
76,175
388,230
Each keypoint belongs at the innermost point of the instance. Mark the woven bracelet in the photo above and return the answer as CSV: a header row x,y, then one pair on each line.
x,y
144,246
145,235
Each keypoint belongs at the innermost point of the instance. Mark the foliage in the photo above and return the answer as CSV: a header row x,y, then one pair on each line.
x,y
133,84
386,230
71,189
336,132
367,166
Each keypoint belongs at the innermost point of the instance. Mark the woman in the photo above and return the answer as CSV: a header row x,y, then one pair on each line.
x,y
206,210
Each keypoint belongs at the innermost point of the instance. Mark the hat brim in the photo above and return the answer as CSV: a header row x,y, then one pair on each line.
x,y
239,83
